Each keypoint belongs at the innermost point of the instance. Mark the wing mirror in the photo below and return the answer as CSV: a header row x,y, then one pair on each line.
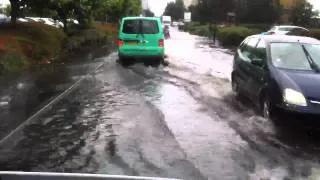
x,y
257,62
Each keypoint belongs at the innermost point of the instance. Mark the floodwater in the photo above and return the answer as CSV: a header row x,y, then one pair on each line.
x,y
179,121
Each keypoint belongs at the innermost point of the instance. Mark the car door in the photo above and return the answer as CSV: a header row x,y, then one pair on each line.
x,y
243,59
258,69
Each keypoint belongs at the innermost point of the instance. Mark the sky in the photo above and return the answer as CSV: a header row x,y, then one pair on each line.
x,y
158,6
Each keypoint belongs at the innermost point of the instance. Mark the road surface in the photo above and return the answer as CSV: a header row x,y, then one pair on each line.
x,y
180,121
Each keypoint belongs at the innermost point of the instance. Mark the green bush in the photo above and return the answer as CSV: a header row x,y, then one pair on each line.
x,y
201,30
261,27
12,62
83,38
48,39
233,36
315,33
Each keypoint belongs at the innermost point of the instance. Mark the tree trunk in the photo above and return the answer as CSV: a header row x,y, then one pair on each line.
x,y
14,10
65,25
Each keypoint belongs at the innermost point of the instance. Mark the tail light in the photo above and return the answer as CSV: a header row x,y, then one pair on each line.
x,y
272,33
161,43
120,43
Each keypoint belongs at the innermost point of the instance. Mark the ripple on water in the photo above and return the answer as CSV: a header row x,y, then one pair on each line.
x,y
66,136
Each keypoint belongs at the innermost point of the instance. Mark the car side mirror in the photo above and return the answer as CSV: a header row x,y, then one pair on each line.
x,y
257,62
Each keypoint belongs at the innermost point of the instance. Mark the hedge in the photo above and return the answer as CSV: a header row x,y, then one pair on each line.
x,y
28,43
233,36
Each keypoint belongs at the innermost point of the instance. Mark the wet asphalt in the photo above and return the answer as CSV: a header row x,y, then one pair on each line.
x,y
179,121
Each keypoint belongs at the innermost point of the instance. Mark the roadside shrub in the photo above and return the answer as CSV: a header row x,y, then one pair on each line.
x,y
233,36
48,38
315,33
108,29
261,27
12,62
201,30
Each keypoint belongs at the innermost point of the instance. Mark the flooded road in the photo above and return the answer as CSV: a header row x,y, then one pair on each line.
x,y
180,121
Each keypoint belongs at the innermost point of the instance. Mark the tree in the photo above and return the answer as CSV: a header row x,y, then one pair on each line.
x,y
211,10
148,13
7,10
175,10
302,13
262,11
16,8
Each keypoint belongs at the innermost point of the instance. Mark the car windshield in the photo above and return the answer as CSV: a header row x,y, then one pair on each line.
x,y
292,55
138,26
285,28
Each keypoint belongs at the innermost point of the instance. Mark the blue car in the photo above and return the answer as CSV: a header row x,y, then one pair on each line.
x,y
279,73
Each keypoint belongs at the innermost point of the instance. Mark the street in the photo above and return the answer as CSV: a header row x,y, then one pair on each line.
x,y
178,121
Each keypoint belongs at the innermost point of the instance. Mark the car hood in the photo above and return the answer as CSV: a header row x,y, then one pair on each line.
x,y
308,82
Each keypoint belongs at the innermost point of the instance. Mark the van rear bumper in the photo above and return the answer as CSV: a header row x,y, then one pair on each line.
x,y
141,52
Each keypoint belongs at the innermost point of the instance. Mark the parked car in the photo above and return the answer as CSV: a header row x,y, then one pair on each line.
x,y
175,23
279,73
286,30
73,21
22,20
141,37
4,19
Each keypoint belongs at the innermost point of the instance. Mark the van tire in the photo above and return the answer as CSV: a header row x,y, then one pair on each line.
x,y
124,61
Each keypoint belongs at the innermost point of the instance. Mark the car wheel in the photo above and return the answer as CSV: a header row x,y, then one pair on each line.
x,y
235,87
268,110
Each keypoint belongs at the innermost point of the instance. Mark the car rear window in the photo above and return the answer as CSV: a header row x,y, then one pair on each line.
x,y
140,26
285,28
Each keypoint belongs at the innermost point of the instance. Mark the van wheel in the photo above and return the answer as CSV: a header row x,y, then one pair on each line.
x,y
125,61
156,62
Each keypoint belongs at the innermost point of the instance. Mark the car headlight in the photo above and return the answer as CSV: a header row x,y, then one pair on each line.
x,y
294,97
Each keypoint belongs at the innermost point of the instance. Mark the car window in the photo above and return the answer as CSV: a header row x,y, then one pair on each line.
x,y
289,56
285,28
314,51
273,28
247,50
137,26
261,50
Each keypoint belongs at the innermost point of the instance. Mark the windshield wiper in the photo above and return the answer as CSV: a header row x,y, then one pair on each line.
x,y
313,65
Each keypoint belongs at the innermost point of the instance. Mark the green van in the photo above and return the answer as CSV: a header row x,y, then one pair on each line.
x,y
141,37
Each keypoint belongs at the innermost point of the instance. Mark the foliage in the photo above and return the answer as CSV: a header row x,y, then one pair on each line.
x,y
148,13
211,10
262,27
45,40
315,33
7,10
302,13
233,36
11,62
262,11
85,11
175,10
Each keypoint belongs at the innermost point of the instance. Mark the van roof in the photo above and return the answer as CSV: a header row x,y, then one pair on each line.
x,y
137,17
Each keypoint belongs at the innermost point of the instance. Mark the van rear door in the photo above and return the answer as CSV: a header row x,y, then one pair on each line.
x,y
141,32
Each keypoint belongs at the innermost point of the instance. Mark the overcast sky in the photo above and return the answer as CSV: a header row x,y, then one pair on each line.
x,y
158,6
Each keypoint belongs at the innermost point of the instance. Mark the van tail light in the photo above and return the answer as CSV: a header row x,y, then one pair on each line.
x,y
161,43
120,43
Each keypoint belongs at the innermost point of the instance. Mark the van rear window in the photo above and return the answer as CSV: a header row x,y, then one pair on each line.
x,y
140,26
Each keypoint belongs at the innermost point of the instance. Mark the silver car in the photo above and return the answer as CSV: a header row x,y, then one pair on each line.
x,y
284,30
